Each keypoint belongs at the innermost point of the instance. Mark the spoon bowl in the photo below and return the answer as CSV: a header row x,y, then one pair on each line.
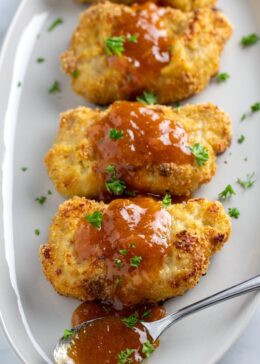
x,y
156,328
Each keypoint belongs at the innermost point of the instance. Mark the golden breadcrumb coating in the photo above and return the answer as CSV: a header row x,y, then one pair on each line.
x,y
184,5
196,41
198,229
72,163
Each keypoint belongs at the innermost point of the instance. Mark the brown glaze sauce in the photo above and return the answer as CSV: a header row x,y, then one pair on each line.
x,y
148,139
138,227
142,60
103,341
91,310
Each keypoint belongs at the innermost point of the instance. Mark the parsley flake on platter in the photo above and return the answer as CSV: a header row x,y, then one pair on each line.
x,y
227,192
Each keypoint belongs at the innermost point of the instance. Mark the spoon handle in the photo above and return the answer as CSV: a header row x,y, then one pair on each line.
x,y
156,328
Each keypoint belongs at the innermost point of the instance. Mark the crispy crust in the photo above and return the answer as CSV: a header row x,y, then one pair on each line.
x,y
184,5
200,228
71,161
197,39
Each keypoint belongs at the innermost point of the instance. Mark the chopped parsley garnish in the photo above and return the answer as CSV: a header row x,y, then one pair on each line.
x,y
200,153
167,200
116,134
148,349
130,321
147,314
55,88
110,169
148,98
24,169
40,60
95,219
37,232
19,84
118,263
249,182
123,251
56,22
221,77
130,193
133,38
123,356
233,212
177,105
135,261
115,45
249,40
241,139
67,334
116,186
243,117
132,245
75,73
49,192
41,200
227,192
255,107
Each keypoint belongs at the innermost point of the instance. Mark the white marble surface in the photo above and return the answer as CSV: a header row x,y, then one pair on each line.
x,y
245,351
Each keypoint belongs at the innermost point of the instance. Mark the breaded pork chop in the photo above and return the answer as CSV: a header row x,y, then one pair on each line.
x,y
184,5
132,250
132,146
118,52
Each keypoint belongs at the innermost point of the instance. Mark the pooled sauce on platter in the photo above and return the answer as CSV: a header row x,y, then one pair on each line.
x,y
143,58
111,340
131,243
144,137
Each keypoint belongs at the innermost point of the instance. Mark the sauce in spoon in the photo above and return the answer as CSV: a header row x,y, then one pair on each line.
x,y
117,338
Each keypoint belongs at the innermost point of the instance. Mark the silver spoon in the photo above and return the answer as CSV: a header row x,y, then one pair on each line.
x,y
156,328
